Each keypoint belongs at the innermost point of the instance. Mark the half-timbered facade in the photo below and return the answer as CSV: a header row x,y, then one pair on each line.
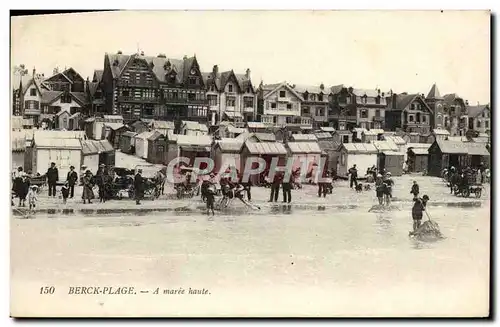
x,y
136,86
231,97
479,118
68,80
456,108
409,113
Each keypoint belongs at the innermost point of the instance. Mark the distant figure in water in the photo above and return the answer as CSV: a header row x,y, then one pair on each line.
x,y
417,211
380,189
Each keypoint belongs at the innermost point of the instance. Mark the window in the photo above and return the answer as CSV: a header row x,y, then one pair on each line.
x,y
305,110
486,124
305,96
31,104
191,96
345,139
248,102
193,81
148,111
424,119
377,113
282,94
66,98
363,114
74,110
230,88
33,92
320,97
212,100
231,101
348,100
452,110
273,105
319,112
410,118
365,98
377,100
289,106
418,117
312,97
478,124
126,93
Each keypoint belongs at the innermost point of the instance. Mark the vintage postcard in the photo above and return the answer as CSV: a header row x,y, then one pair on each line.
x,y
250,164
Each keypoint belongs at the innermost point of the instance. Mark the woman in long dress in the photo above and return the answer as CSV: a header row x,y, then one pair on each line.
x,y
88,193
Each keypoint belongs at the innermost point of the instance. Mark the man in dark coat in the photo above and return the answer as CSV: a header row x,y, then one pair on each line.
x,y
353,171
72,178
99,179
138,186
52,178
275,187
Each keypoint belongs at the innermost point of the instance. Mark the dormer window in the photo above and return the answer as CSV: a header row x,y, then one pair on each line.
x,y
320,97
115,62
377,100
230,88
305,96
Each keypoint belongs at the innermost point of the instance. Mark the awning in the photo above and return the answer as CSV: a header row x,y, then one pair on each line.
x,y
195,148
233,114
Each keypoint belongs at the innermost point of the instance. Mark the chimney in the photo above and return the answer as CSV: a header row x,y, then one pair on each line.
x,y
248,73
119,52
162,55
350,89
185,57
34,72
322,86
378,91
383,94
215,70
466,102
87,82
142,53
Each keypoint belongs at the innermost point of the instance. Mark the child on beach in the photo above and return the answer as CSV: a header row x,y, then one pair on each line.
x,y
65,192
32,197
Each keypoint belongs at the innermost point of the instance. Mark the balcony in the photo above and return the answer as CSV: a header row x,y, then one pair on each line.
x,y
378,119
32,112
343,118
283,99
197,102
137,100
175,100
248,109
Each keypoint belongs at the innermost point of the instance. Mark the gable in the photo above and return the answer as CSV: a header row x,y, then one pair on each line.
x,y
138,71
192,69
231,80
71,74
59,78
289,92
423,105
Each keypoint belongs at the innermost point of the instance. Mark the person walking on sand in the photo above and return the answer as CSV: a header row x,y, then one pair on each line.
x,y
275,188
71,179
138,186
287,190
65,192
52,178
380,189
88,193
415,189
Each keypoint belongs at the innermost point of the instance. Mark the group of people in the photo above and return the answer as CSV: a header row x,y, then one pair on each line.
x,y
460,179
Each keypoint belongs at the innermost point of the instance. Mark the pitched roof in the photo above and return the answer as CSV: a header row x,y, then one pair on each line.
x,y
43,134
398,140
270,90
301,88
474,111
155,136
372,93
256,125
304,147
359,148
144,135
337,88
50,96
112,117
450,98
265,137
97,78
470,148
304,137
386,145
439,131
418,145
419,151
192,125
96,146
273,148
129,134
196,140
162,124
93,87
79,97
230,145
236,130
114,126
323,135
327,129
65,143
434,93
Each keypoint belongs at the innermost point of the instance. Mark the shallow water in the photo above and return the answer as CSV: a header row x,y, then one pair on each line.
x,y
286,261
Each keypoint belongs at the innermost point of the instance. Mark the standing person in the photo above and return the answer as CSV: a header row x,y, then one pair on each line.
x,y
138,186
210,197
88,184
52,178
32,197
24,188
417,211
380,189
287,190
275,187
17,176
353,172
389,183
415,189
71,179
65,192
99,179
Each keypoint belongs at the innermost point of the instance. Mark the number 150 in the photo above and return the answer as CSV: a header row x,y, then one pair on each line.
x,y
47,290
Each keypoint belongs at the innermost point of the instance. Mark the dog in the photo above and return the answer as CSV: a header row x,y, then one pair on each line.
x,y
359,188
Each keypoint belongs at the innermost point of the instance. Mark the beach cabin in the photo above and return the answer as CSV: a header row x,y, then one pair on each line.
x,y
113,132
127,142
357,133
172,147
139,126
194,146
141,143
363,155
327,129
230,131
305,155
75,122
96,152
369,136
256,127
162,126
266,151
389,157
261,137
444,154
157,149
398,141
440,134
418,157
193,128
63,152
342,136
227,152
94,125
62,120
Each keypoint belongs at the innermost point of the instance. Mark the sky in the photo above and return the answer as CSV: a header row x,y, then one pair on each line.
x,y
406,51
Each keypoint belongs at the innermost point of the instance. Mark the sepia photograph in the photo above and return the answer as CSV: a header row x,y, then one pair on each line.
x,y
258,163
